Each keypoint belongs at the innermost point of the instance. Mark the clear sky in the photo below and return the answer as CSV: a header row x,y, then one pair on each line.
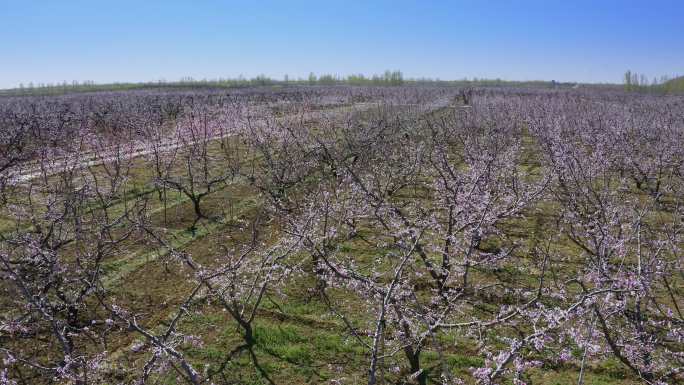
x,y
143,40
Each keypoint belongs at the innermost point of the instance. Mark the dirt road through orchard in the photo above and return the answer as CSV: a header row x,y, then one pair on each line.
x,y
28,171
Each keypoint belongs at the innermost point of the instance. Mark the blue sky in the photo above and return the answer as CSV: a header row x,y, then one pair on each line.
x,y
122,40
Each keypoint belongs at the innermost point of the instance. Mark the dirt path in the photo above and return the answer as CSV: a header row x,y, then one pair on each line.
x,y
28,171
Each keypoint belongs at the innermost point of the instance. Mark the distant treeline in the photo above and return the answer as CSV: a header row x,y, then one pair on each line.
x,y
635,82
388,78
675,85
